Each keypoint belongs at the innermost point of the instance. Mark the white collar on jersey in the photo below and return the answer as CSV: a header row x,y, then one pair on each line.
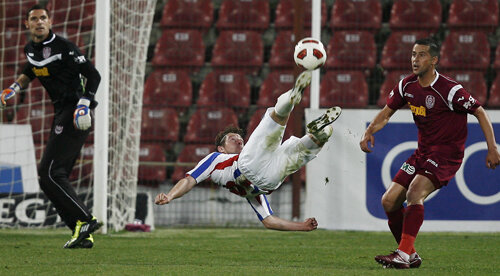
x,y
436,78
50,40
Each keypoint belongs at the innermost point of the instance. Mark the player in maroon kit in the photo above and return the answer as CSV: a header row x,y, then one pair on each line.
x,y
440,106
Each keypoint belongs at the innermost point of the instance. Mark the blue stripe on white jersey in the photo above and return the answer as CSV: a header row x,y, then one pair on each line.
x,y
204,165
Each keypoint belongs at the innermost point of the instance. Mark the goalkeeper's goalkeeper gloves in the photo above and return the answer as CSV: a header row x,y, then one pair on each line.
x,y
81,117
9,93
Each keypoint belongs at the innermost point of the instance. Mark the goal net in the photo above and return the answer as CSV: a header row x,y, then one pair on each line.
x,y
25,123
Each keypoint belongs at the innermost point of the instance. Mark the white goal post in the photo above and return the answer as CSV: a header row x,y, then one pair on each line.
x,y
122,37
115,35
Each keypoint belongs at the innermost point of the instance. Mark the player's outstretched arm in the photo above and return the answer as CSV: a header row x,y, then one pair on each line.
x,y
377,124
181,188
21,82
493,156
276,223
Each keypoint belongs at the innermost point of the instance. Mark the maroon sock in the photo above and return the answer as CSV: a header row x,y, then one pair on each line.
x,y
414,217
395,221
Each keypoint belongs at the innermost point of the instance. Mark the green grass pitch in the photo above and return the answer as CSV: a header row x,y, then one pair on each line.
x,y
230,251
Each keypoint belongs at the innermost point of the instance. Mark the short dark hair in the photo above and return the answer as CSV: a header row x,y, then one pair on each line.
x,y
220,139
433,45
36,7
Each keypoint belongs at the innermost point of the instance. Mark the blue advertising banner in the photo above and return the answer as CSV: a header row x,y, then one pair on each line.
x,y
473,194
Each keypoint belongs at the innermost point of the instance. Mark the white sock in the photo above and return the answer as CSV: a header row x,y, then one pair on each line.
x,y
283,105
308,142
405,256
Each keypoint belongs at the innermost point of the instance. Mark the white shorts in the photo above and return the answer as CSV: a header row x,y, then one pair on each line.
x,y
265,161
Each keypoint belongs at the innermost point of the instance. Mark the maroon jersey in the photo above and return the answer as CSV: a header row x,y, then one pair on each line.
x,y
439,111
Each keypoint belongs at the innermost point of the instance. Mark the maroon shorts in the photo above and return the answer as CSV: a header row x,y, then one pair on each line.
x,y
432,166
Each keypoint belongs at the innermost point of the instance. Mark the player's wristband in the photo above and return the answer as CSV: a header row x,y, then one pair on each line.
x,y
15,86
83,101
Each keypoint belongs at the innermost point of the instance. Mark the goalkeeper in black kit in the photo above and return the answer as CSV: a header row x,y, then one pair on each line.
x,y
59,64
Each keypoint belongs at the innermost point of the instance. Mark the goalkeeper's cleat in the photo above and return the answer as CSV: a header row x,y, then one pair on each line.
x,y
82,231
302,81
320,127
88,242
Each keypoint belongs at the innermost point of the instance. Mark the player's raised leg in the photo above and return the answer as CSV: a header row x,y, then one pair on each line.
x,y
320,129
291,98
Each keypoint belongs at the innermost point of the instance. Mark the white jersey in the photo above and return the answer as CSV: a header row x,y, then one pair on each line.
x,y
223,169
261,166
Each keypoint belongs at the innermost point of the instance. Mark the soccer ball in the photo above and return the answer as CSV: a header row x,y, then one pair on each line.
x,y
309,53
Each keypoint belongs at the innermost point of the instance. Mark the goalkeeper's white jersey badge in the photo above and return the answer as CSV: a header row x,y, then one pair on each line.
x,y
58,130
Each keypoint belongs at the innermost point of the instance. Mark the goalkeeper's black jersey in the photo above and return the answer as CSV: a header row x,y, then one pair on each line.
x,y
59,64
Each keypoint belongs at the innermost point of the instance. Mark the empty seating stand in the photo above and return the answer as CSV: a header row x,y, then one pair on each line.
x,y
206,122
344,88
238,50
244,15
285,14
356,15
188,14
416,14
351,50
168,88
225,89
473,15
182,49
465,50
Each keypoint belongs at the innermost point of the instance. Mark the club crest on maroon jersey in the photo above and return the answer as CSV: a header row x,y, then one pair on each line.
x,y
430,101
46,52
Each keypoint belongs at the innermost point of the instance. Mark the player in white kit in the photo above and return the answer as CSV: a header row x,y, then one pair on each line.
x,y
259,167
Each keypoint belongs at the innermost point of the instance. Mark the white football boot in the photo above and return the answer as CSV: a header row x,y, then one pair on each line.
x,y
321,127
302,81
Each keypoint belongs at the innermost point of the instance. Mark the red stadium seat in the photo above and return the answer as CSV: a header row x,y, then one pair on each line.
x,y
73,14
39,148
39,116
257,117
351,50
282,50
396,53
8,77
344,88
180,48
473,82
473,15
36,94
225,89
496,64
168,88
243,15
391,80
159,125
82,172
14,12
285,13
465,50
73,35
151,174
242,50
206,122
356,15
494,99
188,14
416,14
277,83
192,153
12,42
